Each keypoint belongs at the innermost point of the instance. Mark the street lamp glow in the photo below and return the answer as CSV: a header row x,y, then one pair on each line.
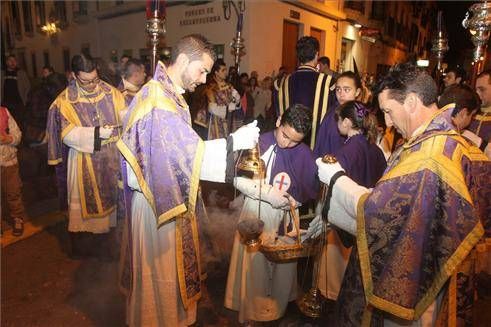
x,y
423,63
50,28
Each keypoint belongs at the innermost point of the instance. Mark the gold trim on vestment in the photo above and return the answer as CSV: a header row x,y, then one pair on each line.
x,y
54,162
287,93
169,214
441,277
452,300
431,156
132,161
315,108
325,102
481,118
103,87
316,111
191,214
151,101
119,103
366,318
95,187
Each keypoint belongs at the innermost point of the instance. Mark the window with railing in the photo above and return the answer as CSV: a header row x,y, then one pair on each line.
x,y
80,8
7,33
34,64
16,19
413,42
40,16
27,13
46,60
391,27
378,10
355,5
60,12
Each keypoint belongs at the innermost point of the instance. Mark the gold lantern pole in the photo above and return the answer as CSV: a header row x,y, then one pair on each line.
x,y
440,46
155,11
238,42
310,304
479,25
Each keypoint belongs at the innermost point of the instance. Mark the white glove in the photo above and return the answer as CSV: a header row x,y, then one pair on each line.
x,y
246,137
105,133
326,171
220,111
236,96
277,198
315,227
232,106
250,188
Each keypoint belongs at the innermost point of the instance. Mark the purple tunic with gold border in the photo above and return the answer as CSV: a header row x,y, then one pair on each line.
x,y
481,125
98,172
417,226
165,153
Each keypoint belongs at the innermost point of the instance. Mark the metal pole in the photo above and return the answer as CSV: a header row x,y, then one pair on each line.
x,y
155,28
440,46
479,26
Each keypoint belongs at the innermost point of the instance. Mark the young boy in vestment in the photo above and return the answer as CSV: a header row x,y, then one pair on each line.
x,y
256,287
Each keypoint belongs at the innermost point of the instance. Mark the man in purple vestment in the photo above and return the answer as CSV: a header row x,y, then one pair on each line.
x,y
481,124
164,159
82,129
306,86
422,218
466,107
132,79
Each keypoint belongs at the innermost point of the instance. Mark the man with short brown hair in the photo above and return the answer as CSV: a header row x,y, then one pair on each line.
x,y
164,159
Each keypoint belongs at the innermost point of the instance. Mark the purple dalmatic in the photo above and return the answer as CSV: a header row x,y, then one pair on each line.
x,y
481,126
416,226
297,162
363,162
98,171
165,153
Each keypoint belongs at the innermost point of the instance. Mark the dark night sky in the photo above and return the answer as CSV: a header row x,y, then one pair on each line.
x,y
458,37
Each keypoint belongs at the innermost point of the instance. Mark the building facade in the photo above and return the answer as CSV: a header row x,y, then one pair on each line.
x,y
390,31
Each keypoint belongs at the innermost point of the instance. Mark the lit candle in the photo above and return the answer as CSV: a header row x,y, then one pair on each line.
x,y
239,23
155,9
439,21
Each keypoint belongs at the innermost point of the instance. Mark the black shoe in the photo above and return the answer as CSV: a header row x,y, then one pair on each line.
x,y
18,229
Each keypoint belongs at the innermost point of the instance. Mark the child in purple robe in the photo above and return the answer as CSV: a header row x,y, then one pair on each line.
x,y
329,139
259,289
364,163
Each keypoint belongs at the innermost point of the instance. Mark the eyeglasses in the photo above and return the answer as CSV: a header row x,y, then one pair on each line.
x,y
85,82
343,89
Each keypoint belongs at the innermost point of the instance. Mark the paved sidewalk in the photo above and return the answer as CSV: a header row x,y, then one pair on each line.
x,y
32,227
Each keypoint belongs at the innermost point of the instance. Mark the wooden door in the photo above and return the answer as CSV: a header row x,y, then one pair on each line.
x,y
317,33
289,52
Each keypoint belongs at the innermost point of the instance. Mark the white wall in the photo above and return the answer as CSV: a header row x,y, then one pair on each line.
x,y
262,31
265,20
367,54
